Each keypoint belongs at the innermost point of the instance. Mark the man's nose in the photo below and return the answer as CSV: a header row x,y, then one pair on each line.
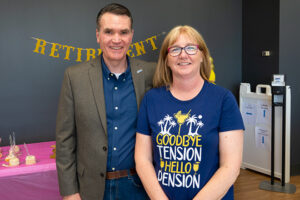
x,y
116,38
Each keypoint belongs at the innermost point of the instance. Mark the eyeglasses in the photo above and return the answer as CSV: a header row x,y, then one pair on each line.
x,y
190,50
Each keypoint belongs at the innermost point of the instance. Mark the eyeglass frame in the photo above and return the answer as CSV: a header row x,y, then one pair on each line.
x,y
184,49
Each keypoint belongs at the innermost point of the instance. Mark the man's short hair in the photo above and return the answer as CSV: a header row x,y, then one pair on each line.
x,y
116,9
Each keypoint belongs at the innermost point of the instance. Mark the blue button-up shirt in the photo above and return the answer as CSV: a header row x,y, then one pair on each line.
x,y
121,114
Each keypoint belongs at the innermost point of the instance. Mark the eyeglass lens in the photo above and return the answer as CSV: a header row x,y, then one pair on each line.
x,y
190,49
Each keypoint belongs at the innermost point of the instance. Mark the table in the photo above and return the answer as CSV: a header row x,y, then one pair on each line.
x,y
30,182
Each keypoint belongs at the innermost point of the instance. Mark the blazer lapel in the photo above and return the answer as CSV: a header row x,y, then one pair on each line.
x,y
138,80
95,73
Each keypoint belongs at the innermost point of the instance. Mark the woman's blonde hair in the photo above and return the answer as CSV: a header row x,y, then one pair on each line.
x,y
163,73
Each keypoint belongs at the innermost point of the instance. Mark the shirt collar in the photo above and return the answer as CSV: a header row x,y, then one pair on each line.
x,y
106,71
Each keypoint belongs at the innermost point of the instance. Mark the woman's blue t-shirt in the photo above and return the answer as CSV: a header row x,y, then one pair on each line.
x,y
185,136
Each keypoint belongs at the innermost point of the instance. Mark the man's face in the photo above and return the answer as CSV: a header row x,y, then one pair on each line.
x,y
115,36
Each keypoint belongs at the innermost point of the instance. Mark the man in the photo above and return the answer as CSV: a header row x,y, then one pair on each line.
x,y
95,132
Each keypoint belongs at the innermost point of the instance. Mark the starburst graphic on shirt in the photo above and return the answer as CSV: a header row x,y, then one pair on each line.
x,y
167,123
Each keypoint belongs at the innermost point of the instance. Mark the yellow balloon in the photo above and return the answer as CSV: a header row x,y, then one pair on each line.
x,y
212,77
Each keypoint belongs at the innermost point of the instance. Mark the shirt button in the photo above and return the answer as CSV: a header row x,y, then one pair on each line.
x,y
124,79
111,74
104,148
116,108
116,88
108,78
115,148
116,128
113,169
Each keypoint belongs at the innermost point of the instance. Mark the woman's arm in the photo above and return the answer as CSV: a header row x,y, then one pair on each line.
x,y
231,150
145,169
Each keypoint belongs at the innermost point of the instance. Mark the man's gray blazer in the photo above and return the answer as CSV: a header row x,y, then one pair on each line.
x,y
81,128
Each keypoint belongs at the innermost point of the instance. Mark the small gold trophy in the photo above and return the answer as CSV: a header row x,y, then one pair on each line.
x,y
162,163
196,167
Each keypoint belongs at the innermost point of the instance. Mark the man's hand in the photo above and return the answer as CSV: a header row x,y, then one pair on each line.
x,y
75,196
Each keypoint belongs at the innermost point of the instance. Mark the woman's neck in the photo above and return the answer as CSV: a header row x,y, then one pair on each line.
x,y
186,89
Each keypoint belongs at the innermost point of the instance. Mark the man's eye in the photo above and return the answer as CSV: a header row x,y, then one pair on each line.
x,y
124,32
108,32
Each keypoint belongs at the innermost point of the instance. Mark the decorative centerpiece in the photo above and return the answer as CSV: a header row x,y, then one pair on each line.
x,y
30,159
14,161
12,153
53,155
9,156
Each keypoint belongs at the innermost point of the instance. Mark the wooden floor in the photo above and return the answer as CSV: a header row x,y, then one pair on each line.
x,y
247,188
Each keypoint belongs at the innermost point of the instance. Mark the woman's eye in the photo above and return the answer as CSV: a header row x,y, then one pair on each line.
x,y
175,49
190,48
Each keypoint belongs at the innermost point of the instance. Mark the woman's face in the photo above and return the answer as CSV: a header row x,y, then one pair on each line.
x,y
185,65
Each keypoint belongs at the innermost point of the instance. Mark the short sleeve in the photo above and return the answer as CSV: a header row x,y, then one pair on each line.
x,y
143,125
231,118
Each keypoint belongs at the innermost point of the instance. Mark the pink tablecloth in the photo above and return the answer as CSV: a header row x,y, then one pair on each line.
x,y
41,151
28,182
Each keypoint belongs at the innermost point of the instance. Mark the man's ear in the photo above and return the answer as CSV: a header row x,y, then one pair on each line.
x,y
97,35
132,32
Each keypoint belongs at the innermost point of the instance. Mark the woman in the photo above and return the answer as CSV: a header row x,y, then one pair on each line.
x,y
190,132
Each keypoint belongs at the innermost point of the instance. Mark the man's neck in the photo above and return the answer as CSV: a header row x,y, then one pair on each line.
x,y
119,66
